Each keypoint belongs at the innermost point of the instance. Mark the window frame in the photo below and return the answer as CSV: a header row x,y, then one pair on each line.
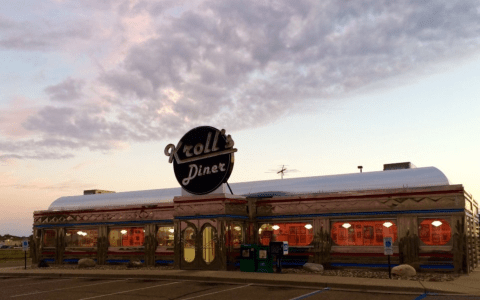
x,y
310,221
121,247
81,229
448,219
165,247
394,220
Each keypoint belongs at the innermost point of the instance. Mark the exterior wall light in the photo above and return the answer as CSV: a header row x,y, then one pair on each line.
x,y
275,227
123,231
387,224
436,223
308,226
347,225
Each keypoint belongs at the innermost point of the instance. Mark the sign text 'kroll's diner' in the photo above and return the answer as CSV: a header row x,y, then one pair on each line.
x,y
203,159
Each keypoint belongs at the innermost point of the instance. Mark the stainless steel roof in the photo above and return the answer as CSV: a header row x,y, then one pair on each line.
x,y
418,177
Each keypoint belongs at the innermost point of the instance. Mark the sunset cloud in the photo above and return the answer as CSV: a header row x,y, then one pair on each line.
x,y
169,66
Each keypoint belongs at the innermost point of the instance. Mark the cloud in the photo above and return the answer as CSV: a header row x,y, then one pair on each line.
x,y
170,66
68,90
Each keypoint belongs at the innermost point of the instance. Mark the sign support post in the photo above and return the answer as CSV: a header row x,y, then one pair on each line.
x,y
25,248
388,250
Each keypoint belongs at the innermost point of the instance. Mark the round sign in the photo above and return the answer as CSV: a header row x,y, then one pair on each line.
x,y
202,160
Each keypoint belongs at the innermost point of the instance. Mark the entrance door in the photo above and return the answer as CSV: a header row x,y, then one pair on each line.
x,y
199,245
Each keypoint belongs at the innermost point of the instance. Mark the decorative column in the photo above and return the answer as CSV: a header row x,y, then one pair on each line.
x,y
178,244
102,245
409,243
59,245
150,244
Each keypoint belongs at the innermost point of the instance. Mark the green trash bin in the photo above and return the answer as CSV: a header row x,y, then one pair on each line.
x,y
247,258
264,260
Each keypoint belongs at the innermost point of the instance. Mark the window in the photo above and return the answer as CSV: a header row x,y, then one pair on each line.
x,y
234,234
49,238
189,244
296,234
165,236
81,238
362,233
208,244
434,232
126,237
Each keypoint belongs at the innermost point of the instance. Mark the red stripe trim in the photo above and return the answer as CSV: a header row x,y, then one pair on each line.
x,y
362,254
300,254
125,253
436,254
165,253
265,202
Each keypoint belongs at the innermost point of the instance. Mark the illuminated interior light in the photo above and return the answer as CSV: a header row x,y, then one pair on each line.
x,y
387,224
171,230
275,227
260,230
346,225
436,223
123,231
237,228
309,226
81,233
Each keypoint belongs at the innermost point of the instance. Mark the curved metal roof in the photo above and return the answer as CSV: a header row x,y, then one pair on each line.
x,y
418,177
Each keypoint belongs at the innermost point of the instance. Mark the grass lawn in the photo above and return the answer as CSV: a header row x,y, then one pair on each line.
x,y
8,255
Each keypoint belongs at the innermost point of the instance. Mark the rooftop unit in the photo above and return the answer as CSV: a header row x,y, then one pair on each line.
x,y
398,166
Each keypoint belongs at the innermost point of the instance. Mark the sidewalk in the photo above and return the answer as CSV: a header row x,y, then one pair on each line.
x,y
463,285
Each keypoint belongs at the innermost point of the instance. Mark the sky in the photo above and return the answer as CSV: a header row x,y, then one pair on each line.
x,y
92,91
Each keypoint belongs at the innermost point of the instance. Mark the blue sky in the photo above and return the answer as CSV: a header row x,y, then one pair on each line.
x,y
91,92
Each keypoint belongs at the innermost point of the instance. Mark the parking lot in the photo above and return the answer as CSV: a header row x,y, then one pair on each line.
x,y
109,289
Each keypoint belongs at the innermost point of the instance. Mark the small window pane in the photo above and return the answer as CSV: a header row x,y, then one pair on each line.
x,y
126,237
81,238
434,232
296,234
49,238
165,236
363,233
189,244
234,234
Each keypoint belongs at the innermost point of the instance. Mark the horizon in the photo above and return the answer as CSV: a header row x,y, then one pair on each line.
x,y
91,93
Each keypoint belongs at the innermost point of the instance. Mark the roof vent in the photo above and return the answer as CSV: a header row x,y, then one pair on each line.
x,y
93,192
398,166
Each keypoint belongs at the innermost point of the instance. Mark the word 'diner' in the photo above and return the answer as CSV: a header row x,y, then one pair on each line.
x,y
197,171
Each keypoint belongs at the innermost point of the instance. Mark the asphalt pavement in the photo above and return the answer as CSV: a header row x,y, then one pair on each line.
x,y
464,285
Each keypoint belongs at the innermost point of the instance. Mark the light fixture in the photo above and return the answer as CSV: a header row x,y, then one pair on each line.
x,y
123,231
144,230
275,227
308,226
171,230
436,223
237,228
387,224
260,230
346,225
81,233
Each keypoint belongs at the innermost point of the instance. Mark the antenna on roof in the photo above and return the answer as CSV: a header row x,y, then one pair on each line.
x,y
360,167
283,170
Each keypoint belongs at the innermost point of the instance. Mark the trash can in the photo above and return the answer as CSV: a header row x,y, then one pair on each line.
x,y
264,260
247,258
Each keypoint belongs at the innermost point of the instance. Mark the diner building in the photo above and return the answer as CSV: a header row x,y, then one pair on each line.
x,y
338,220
